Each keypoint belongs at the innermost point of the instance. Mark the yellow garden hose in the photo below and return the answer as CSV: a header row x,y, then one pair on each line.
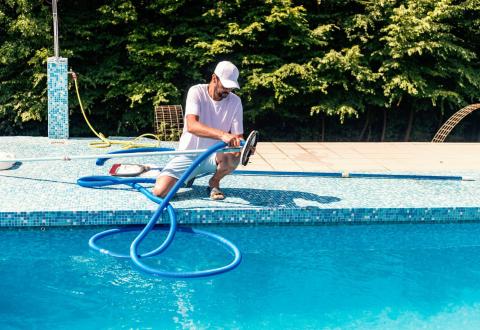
x,y
106,142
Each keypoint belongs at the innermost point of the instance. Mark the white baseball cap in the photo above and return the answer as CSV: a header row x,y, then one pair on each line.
x,y
227,72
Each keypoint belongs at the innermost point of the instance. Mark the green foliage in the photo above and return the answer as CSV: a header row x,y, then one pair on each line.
x,y
426,59
23,26
299,60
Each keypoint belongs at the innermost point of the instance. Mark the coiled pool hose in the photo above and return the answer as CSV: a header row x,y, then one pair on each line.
x,y
101,181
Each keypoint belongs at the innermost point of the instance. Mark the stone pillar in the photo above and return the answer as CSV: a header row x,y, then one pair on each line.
x,y
57,77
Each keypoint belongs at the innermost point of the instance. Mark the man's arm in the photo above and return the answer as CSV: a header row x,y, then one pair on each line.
x,y
197,128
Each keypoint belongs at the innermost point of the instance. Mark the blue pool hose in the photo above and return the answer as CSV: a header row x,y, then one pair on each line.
x,y
101,181
101,161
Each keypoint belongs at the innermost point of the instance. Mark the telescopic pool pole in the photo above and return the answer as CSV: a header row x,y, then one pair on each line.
x,y
11,159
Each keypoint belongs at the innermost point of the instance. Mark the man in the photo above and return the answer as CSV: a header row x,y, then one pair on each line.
x,y
212,113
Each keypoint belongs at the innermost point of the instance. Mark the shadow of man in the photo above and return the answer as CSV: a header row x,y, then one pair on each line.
x,y
262,197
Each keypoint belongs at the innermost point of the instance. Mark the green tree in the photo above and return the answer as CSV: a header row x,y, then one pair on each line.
x,y
24,33
428,61
306,66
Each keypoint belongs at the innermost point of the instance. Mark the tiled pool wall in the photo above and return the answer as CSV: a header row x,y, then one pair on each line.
x,y
246,216
57,69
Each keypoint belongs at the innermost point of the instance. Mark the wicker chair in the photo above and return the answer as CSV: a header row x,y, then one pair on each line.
x,y
168,122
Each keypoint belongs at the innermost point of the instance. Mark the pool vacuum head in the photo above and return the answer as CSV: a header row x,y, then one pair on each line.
x,y
249,147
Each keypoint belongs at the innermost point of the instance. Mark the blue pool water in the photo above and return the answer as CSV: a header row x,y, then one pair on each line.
x,y
407,276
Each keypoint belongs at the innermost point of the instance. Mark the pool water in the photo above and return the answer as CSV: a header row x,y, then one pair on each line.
x,y
405,276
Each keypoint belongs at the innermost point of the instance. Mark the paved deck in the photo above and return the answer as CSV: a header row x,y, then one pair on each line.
x,y
371,157
46,193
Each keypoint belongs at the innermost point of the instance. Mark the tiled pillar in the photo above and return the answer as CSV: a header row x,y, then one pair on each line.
x,y
57,70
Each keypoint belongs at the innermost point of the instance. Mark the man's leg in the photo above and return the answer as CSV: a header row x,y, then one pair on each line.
x,y
176,167
226,164
163,185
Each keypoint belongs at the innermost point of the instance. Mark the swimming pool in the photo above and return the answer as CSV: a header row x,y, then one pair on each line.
x,y
342,276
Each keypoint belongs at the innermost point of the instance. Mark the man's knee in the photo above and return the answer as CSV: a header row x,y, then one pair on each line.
x,y
228,163
163,185
160,191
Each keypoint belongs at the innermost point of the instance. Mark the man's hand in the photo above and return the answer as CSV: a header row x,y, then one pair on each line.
x,y
232,140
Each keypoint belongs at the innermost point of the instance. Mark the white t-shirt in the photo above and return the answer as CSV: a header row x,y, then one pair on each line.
x,y
226,115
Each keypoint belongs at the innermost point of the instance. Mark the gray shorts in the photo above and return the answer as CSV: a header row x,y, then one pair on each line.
x,y
178,165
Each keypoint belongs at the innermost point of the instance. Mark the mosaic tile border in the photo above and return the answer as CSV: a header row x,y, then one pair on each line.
x,y
57,80
307,215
